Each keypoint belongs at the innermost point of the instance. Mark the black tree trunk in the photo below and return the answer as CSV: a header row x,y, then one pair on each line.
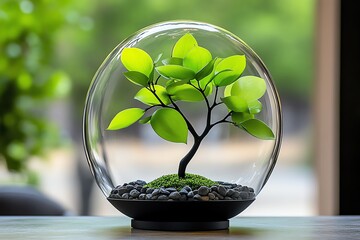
x,y
184,162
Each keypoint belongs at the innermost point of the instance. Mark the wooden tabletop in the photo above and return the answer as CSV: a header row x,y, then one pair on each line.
x,y
244,228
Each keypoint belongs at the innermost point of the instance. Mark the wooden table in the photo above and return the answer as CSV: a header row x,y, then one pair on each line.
x,y
244,228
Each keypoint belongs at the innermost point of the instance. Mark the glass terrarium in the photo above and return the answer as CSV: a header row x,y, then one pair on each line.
x,y
182,126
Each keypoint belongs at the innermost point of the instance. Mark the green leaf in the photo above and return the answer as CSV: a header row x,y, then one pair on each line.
x,y
197,58
126,118
172,61
184,45
206,71
137,77
254,106
235,103
227,90
249,87
184,92
209,77
258,129
136,59
169,125
172,85
151,76
239,117
145,120
172,81
229,70
144,95
176,72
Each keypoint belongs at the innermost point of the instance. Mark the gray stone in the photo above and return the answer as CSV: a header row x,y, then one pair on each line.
x,y
164,191
149,190
197,197
221,190
155,192
125,196
129,187
134,193
229,192
122,190
190,194
114,196
244,189
218,195
236,194
238,189
203,191
171,189
183,192
175,195
140,182
244,195
251,195
163,197
114,191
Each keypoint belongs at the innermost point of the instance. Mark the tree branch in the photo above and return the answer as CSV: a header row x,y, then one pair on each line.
x,y
223,120
190,127
215,97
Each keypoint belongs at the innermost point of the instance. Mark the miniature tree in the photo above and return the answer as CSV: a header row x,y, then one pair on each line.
x,y
191,74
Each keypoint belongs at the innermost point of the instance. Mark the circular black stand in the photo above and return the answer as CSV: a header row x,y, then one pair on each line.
x,y
179,226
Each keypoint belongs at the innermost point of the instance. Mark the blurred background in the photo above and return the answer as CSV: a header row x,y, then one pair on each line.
x,y
50,50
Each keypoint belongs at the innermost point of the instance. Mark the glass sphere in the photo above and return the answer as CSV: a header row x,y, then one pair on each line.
x,y
228,153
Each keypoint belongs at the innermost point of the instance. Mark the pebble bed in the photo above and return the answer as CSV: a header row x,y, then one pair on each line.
x,y
223,191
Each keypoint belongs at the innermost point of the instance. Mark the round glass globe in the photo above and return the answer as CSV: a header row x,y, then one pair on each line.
x,y
227,153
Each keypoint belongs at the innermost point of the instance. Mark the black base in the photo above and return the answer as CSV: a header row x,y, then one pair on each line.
x,y
179,226
180,211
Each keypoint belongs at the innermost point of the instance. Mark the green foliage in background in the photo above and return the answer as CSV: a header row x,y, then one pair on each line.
x,y
280,31
28,79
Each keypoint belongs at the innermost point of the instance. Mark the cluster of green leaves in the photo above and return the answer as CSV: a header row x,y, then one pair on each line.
x,y
192,74
28,81
172,180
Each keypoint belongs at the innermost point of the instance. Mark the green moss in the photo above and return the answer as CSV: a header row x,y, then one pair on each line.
x,y
173,180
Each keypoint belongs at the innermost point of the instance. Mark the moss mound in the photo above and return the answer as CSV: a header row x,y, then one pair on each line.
x,y
172,180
